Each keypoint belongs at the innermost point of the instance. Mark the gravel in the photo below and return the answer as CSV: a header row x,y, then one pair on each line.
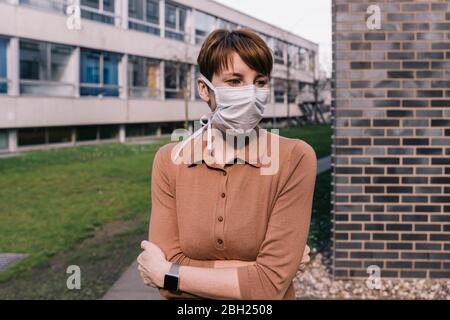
x,y
315,282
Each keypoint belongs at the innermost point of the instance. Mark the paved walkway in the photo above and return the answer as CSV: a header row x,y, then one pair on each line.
x,y
130,285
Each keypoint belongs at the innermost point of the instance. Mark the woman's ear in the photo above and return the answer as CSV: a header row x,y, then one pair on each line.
x,y
206,94
203,90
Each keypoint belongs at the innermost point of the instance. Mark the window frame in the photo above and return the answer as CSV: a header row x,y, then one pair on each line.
x,y
47,80
175,33
101,85
144,24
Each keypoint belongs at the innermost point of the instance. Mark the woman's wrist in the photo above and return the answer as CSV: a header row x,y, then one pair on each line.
x,y
164,269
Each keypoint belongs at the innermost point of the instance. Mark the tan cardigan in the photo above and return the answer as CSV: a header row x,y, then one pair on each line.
x,y
204,212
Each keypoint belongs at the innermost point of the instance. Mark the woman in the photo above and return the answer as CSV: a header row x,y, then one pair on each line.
x,y
221,229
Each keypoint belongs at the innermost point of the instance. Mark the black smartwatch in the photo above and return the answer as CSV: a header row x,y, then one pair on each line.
x,y
171,279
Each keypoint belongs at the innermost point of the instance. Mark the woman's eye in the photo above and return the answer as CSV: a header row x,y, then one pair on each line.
x,y
261,83
233,81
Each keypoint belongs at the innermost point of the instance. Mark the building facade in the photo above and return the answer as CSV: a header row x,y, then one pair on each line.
x,y
391,152
122,73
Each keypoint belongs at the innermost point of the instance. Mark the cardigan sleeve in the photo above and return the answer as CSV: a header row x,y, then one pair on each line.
x,y
282,248
163,230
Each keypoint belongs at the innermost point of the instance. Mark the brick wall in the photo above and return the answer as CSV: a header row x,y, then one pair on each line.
x,y
391,152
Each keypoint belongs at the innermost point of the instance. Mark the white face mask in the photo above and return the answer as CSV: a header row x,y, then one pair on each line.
x,y
238,110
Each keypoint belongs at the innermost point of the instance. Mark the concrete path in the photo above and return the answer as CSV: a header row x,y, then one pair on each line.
x,y
130,285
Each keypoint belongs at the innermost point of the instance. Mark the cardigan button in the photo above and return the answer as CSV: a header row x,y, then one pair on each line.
x,y
219,241
222,195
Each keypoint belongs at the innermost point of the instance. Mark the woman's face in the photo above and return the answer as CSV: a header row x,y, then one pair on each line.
x,y
238,74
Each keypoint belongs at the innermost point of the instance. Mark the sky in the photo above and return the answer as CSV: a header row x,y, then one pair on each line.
x,y
306,18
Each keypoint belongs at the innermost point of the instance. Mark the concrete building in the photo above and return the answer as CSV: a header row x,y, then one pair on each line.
x,y
121,73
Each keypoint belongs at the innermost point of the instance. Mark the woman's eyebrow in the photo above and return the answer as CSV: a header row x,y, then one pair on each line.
x,y
236,74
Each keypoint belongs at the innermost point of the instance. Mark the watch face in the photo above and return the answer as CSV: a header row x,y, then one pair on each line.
x,y
171,282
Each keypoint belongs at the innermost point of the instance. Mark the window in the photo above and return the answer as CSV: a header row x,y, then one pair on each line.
x,y
223,24
99,73
3,139
86,133
292,55
59,135
107,132
293,91
197,75
279,89
98,10
143,77
175,22
174,79
303,59
143,15
141,129
204,24
312,61
58,6
44,69
279,52
31,136
3,70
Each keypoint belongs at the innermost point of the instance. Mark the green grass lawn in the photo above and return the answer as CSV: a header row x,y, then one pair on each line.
x,y
89,205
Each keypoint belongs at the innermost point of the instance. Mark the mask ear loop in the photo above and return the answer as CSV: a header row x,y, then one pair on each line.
x,y
209,115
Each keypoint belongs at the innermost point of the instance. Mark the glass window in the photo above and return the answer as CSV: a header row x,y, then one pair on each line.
x,y
197,75
108,132
312,61
86,133
99,73
279,52
223,24
143,77
59,134
31,136
171,16
279,89
175,74
60,56
292,55
303,59
293,91
144,16
141,129
49,5
98,10
175,22
33,60
204,24
4,143
3,67
44,68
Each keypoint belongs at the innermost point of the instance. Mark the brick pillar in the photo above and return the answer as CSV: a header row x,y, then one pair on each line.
x,y
391,152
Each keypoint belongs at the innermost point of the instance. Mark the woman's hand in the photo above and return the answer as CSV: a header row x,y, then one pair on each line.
x,y
152,264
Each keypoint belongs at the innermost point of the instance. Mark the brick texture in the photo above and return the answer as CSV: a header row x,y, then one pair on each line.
x,y
391,143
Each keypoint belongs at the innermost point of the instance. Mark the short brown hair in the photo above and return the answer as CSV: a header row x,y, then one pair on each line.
x,y
216,51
